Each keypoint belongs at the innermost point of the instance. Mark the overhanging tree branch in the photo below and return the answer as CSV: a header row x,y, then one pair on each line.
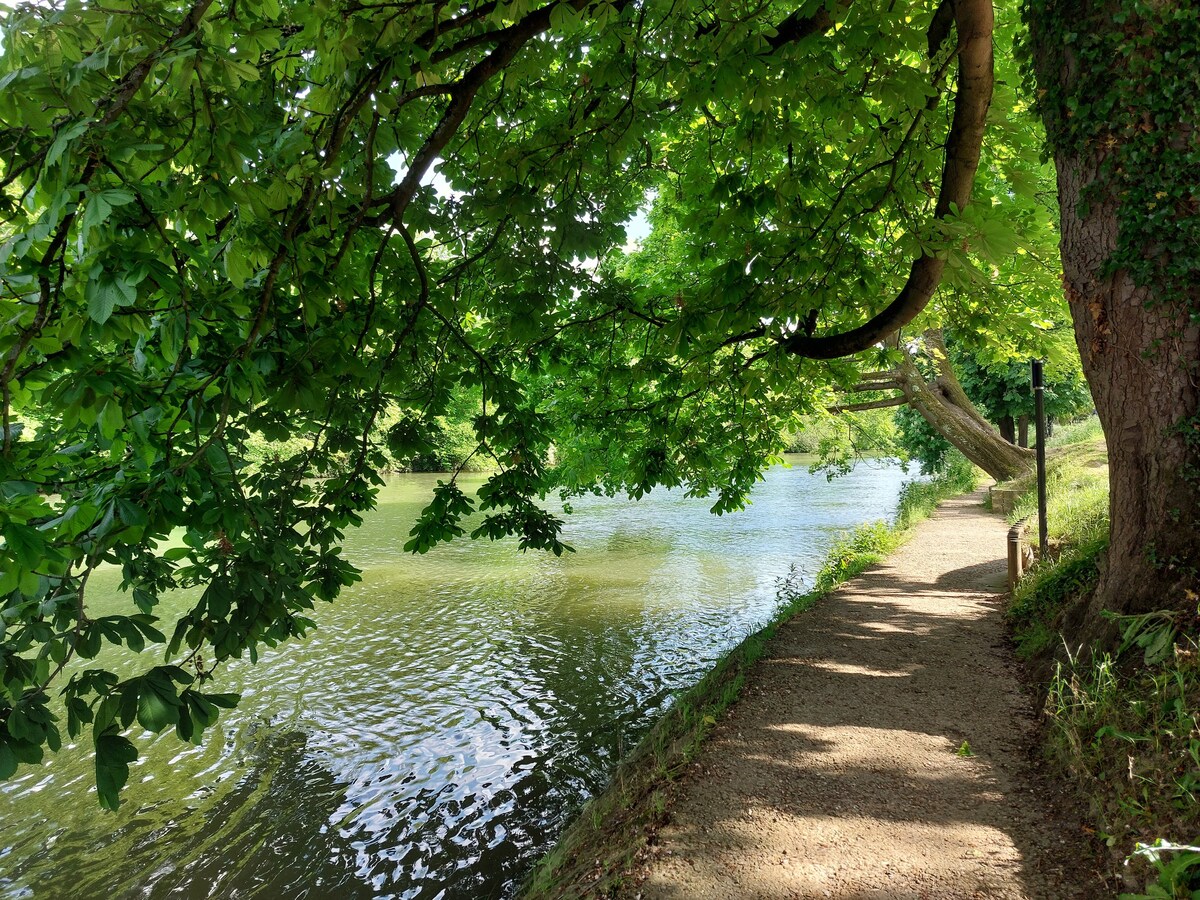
x,y
870,404
463,92
973,20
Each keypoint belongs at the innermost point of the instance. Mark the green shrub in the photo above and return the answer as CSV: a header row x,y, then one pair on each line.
x,y
1077,532
1125,724
919,498
920,443
1048,589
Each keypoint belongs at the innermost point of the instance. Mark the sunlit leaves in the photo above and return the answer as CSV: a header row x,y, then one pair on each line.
x,y
200,256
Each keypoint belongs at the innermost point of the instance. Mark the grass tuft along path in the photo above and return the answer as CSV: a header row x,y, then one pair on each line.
x,y
881,749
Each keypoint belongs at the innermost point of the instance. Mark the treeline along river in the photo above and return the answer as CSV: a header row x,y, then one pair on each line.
x,y
433,736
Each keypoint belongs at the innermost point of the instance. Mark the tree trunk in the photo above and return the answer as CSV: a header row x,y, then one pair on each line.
x,y
1141,362
1008,429
1023,431
944,405
1130,273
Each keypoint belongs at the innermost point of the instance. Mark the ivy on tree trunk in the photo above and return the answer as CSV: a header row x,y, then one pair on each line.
x,y
1120,97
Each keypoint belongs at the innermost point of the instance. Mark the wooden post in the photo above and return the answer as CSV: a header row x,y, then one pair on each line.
x,y
1040,413
1015,560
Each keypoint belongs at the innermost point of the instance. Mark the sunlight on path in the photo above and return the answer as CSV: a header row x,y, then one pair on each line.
x,y
880,749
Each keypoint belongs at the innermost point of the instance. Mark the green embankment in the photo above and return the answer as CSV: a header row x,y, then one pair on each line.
x,y
599,849
1122,724
1077,528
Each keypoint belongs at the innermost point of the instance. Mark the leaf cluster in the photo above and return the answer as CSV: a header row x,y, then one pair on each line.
x,y
320,226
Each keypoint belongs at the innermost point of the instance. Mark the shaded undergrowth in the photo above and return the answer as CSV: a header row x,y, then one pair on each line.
x,y
1122,722
601,850
1077,531
1124,725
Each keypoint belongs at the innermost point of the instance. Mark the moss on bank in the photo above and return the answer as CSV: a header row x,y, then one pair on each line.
x,y
598,852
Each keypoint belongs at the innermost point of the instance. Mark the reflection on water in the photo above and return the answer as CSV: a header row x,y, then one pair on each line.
x,y
432,736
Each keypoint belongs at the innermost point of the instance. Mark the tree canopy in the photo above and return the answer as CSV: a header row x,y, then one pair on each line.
x,y
237,220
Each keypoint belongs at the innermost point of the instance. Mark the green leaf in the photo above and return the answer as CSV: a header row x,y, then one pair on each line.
x,y
105,292
8,761
27,752
110,420
98,209
238,268
26,544
63,138
154,712
114,753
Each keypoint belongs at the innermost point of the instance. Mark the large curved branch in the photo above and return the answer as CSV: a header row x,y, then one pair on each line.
x,y
797,27
973,19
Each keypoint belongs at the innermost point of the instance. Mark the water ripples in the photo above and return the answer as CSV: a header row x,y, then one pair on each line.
x,y
450,713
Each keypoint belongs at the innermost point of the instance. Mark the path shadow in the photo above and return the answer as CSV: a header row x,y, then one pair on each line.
x,y
886,677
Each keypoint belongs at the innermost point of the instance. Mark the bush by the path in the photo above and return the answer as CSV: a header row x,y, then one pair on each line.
x,y
599,850
1128,734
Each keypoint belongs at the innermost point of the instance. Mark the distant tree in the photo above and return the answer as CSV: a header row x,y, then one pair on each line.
x,y
1004,391
998,390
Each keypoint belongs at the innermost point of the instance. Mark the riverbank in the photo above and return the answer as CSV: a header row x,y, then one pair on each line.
x,y
605,850
881,749
1120,724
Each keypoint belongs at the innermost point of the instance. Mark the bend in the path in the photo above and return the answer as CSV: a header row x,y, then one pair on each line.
x,y
881,749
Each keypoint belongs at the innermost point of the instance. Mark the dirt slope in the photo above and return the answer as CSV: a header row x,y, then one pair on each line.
x,y
843,771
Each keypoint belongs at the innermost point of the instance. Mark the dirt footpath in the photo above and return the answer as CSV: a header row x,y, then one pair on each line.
x,y
881,749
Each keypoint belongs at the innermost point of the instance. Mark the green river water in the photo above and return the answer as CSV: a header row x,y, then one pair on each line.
x,y
436,732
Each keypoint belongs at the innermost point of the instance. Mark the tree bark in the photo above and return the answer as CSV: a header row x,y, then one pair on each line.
x,y
1023,431
1008,429
1138,334
945,406
1140,361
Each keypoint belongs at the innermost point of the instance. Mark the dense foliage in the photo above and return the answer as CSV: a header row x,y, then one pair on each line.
x,y
237,221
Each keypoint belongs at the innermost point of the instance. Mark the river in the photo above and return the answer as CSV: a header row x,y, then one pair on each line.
x,y
432,737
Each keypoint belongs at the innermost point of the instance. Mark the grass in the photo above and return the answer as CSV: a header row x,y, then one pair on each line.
x,y
599,851
1124,725
1129,735
1077,532
1085,431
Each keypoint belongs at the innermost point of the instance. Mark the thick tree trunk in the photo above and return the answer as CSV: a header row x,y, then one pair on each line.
x,y
945,406
1141,361
1130,269
1023,431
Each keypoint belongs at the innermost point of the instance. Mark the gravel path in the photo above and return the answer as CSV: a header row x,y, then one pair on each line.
x,y
881,749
